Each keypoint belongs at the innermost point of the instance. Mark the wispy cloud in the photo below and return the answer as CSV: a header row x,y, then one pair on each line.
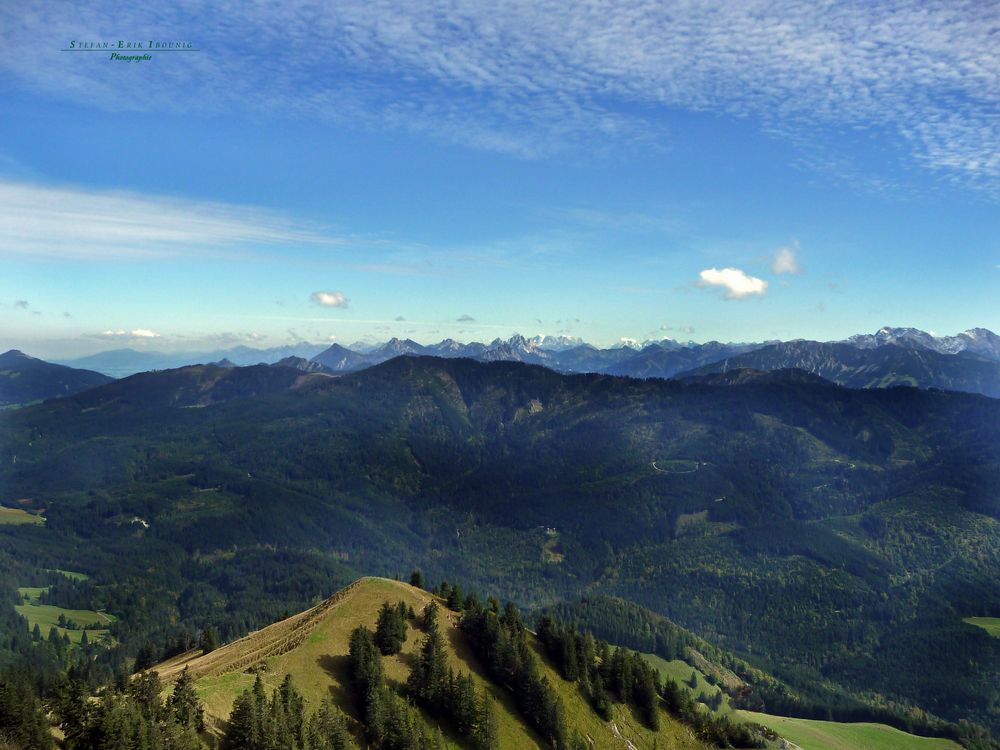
x,y
786,259
737,283
531,78
72,223
465,319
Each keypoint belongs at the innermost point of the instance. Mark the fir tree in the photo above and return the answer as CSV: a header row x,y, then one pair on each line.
x,y
390,631
456,599
427,681
184,704
209,641
486,735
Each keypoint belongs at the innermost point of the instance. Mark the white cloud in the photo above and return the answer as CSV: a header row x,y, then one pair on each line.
x,y
738,284
138,333
329,299
465,319
786,259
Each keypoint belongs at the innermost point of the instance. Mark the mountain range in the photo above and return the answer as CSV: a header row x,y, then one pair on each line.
x,y
969,361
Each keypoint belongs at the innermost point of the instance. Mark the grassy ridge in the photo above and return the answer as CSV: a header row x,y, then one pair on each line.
x,y
319,666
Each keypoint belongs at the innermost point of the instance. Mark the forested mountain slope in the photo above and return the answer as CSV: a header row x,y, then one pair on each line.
x,y
835,537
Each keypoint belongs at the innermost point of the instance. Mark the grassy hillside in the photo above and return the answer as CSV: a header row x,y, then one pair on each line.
x,y
990,624
19,516
312,647
828,735
805,733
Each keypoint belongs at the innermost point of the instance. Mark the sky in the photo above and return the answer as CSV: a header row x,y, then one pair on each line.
x,y
291,171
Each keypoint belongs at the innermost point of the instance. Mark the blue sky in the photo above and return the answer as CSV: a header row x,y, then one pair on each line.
x,y
603,169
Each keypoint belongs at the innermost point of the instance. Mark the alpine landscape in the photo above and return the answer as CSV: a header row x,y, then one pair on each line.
x,y
462,375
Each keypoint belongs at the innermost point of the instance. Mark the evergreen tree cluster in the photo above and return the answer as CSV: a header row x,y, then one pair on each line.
x,y
712,728
601,672
257,723
435,686
390,724
22,720
500,640
133,717
391,628
623,675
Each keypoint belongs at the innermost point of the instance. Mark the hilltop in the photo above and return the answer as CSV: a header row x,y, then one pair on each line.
x,y
312,647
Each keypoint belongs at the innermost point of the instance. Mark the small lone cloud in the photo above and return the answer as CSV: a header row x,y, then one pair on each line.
x,y
786,259
466,319
399,319
737,283
329,299
22,304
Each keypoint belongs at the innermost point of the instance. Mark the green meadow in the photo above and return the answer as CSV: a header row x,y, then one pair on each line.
x,y
828,735
18,517
990,624
46,616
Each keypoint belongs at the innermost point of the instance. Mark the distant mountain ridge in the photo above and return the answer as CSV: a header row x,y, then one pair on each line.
x,y
119,363
24,379
884,366
968,361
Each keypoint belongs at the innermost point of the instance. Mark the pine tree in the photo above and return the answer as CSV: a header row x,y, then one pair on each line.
x,y
390,631
428,679
430,615
184,704
417,578
209,641
294,709
144,694
145,658
36,633
240,733
463,704
84,640
456,599
328,729
486,735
